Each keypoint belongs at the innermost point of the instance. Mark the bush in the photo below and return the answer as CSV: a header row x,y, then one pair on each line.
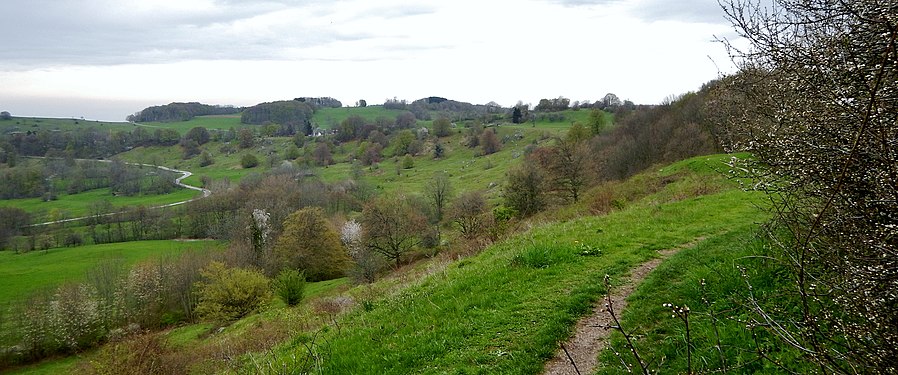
x,y
408,162
230,293
290,286
249,161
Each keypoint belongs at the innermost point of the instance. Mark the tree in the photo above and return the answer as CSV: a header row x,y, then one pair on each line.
x,y
402,142
597,121
392,226
468,213
406,120
516,115
577,133
322,155
350,128
442,127
438,191
311,244
12,219
524,190
198,134
228,294
5,116
245,136
610,101
564,168
489,142
816,102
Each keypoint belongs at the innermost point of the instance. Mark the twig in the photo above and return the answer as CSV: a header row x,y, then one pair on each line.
x,y
570,359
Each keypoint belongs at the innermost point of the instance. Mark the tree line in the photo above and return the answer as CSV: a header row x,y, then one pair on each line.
x,y
180,112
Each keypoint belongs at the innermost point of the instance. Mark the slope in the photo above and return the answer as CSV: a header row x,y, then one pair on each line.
x,y
506,309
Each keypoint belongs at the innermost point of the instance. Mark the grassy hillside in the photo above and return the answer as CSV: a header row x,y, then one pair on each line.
x,y
22,274
505,310
215,122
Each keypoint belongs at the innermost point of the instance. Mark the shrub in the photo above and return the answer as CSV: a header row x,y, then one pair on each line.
x,y
249,161
408,162
230,293
290,286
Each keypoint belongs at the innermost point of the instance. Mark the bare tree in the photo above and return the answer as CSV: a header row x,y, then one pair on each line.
x,y
438,192
468,213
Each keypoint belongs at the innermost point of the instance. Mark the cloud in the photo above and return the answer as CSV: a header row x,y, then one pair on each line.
x,y
108,32
703,11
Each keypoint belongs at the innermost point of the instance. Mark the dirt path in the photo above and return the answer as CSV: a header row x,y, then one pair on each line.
x,y
591,335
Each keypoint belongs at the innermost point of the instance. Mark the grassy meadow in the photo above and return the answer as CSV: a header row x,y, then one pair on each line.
x,y
25,124
78,205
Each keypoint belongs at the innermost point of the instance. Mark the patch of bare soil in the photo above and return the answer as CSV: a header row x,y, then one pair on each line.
x,y
592,334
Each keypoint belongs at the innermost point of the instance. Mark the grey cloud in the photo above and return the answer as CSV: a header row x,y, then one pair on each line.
x,y
50,32
575,3
704,11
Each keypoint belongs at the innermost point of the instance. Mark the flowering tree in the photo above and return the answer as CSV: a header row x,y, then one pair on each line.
x,y
816,101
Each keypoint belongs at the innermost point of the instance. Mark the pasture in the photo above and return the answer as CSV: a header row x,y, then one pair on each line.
x,y
26,273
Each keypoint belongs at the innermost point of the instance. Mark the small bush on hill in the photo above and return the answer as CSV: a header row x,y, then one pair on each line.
x,y
290,286
249,161
230,293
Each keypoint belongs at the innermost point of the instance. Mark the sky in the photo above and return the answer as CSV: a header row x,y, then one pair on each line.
x,y
105,59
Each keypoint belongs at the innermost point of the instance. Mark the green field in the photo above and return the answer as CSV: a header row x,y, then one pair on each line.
x,y
78,205
25,124
22,274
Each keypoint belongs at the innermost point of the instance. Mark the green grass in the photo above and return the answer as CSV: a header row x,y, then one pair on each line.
x,y
22,274
466,170
678,281
25,124
218,122
506,309
78,205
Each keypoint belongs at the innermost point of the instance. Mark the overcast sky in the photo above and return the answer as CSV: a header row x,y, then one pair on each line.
x,y
104,59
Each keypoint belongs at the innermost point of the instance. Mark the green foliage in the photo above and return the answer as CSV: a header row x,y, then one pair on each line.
x,y
442,127
597,121
228,294
310,243
249,161
577,133
290,285
402,142
287,112
408,162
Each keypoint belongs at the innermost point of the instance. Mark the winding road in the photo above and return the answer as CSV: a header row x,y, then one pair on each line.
x,y
178,181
